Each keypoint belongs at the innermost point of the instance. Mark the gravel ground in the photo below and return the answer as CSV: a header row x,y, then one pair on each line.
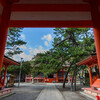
x,y
25,92
68,95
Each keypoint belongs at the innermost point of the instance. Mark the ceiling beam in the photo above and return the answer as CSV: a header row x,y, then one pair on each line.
x,y
3,3
50,7
0,18
86,0
91,1
71,24
13,0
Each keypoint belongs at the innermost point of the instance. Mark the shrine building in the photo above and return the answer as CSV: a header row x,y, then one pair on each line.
x,y
92,65
6,63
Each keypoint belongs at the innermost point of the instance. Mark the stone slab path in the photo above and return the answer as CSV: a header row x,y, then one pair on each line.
x,y
26,91
50,92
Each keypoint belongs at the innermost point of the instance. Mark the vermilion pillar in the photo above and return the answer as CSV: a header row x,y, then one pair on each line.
x,y
97,44
38,79
4,29
56,77
90,74
96,23
44,80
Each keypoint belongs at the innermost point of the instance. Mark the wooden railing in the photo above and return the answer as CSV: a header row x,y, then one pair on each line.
x,y
5,91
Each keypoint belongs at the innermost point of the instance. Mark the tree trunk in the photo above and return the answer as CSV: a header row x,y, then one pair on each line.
x,y
82,73
67,74
72,82
75,79
66,77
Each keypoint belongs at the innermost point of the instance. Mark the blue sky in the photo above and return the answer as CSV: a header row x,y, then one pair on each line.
x,y
38,40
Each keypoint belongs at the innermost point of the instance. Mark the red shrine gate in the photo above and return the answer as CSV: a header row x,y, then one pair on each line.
x,y
49,13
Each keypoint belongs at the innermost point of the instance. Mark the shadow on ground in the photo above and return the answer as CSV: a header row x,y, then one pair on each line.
x,y
71,95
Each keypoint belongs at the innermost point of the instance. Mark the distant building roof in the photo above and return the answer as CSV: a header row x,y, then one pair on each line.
x,y
92,59
9,61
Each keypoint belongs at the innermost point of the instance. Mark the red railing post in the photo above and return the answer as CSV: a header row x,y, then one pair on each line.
x,y
98,98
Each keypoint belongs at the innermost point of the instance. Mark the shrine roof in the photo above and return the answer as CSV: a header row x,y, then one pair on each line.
x,y
92,59
9,61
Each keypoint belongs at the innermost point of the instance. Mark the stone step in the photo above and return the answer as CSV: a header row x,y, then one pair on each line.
x,y
91,92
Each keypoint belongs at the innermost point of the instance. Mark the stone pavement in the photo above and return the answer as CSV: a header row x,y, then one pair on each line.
x,y
72,95
50,92
26,91
47,91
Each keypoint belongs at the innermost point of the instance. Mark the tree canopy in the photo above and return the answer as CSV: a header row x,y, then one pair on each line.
x,y
14,41
79,44
26,69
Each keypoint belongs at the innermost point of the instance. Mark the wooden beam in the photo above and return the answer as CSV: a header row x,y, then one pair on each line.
x,y
20,23
50,7
0,18
89,1
3,3
86,0
13,0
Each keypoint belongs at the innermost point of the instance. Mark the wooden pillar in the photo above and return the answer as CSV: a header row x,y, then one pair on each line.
x,y
56,77
97,44
44,80
38,79
96,24
4,29
5,75
90,75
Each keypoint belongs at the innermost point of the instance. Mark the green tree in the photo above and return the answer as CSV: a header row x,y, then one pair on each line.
x,y
14,41
48,63
71,44
78,46
25,70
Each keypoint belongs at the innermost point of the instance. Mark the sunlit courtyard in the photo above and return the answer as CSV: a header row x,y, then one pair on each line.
x,y
44,91
49,49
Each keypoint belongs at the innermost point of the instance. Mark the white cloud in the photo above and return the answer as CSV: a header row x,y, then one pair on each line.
x,y
23,36
25,56
32,52
23,47
37,50
46,43
22,55
48,37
